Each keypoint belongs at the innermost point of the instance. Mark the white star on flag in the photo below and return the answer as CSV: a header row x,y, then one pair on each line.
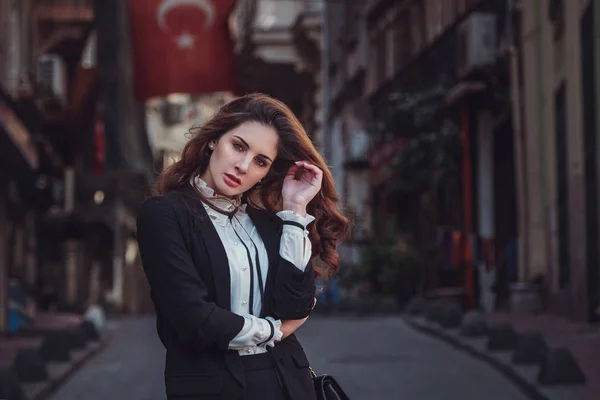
x,y
185,41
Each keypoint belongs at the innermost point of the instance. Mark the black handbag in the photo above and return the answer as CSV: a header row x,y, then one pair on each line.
x,y
327,387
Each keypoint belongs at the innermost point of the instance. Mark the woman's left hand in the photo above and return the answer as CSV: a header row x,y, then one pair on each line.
x,y
297,193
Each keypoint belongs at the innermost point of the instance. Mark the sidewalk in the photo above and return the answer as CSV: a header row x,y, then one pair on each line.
x,y
40,357
580,339
583,341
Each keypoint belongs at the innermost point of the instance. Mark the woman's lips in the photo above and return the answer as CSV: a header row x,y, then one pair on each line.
x,y
232,181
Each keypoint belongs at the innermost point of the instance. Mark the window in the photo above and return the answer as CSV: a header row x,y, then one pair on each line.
x,y
352,20
556,14
376,64
448,12
418,26
379,47
434,19
403,43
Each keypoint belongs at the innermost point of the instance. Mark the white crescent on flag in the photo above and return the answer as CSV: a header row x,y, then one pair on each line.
x,y
205,5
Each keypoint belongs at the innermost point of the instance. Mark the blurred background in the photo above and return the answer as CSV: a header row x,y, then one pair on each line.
x,y
462,135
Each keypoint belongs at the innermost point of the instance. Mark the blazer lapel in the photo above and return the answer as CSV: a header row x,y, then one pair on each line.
x,y
218,262
219,265
267,230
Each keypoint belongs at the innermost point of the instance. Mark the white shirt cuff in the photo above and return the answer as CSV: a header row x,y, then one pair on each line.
x,y
277,334
256,331
295,245
289,215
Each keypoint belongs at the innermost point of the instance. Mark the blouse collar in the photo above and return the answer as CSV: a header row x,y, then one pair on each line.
x,y
224,203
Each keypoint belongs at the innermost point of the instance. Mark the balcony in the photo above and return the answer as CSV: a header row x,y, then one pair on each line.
x,y
63,26
65,11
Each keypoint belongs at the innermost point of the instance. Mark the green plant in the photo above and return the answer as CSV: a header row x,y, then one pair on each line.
x,y
396,271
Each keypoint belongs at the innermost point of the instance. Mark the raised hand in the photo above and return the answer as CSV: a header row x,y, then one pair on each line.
x,y
301,184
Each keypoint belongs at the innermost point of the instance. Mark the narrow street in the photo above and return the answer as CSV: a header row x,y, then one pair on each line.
x,y
374,359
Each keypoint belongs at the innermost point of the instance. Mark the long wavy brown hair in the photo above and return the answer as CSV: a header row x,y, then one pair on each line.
x,y
330,225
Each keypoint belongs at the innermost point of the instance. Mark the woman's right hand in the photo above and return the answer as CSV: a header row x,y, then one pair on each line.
x,y
289,326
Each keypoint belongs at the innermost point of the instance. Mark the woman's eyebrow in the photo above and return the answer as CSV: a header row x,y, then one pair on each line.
x,y
248,146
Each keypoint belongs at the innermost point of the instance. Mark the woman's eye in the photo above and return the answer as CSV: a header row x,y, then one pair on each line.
x,y
262,163
238,146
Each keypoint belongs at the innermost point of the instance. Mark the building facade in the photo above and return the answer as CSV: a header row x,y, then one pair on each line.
x,y
74,162
403,70
517,82
559,53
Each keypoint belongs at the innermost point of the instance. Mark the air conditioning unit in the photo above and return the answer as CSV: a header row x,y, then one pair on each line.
x,y
52,75
477,38
173,113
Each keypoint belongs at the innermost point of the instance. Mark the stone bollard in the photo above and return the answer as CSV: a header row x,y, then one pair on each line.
x,y
97,316
451,316
473,325
10,388
77,339
502,337
559,367
56,347
416,306
531,349
89,330
434,312
29,366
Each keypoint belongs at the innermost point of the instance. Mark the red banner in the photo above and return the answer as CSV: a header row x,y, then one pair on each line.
x,y
182,46
99,144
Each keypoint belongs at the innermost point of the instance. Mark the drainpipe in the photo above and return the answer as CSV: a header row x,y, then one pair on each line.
x,y
541,131
514,18
325,134
468,206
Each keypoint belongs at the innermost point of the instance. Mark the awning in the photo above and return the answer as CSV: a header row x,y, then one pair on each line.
x,y
12,126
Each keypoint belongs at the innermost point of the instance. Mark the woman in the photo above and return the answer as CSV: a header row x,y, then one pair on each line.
x,y
226,247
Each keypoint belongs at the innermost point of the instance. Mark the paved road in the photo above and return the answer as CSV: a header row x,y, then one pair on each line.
x,y
130,368
374,359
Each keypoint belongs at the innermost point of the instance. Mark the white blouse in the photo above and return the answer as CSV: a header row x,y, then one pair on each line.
x,y
294,247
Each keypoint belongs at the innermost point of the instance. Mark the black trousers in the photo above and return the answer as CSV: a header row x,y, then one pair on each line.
x,y
262,381
261,378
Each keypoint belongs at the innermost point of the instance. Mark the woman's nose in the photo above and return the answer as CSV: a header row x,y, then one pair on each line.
x,y
242,165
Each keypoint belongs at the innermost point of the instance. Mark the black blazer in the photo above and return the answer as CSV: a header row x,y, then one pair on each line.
x,y
187,269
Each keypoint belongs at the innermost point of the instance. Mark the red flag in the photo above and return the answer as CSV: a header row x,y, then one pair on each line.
x,y
182,46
